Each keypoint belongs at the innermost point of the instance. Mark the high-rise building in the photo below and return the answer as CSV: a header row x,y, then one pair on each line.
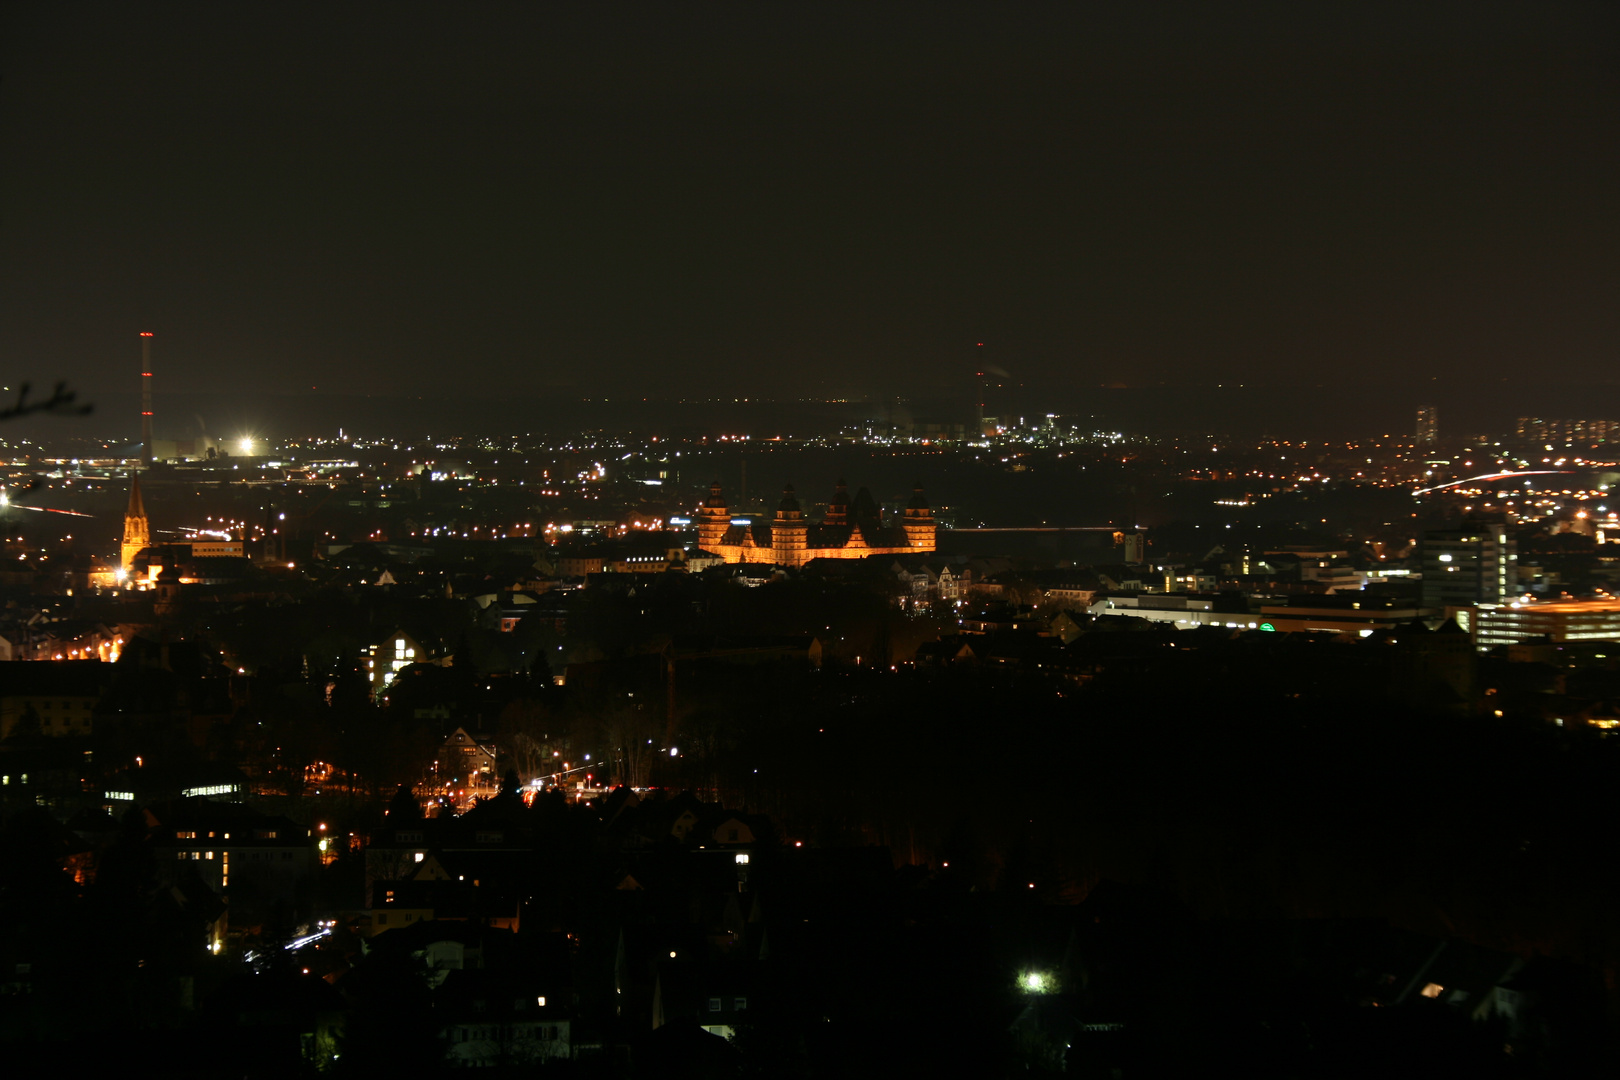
x,y
1428,425
1474,563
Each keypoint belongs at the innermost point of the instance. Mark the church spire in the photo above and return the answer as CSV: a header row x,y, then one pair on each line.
x,y
137,532
137,508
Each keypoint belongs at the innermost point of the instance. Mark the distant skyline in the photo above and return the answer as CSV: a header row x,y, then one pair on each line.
x,y
526,201
1239,412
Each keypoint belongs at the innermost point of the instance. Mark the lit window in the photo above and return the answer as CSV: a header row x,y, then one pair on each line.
x,y
1432,990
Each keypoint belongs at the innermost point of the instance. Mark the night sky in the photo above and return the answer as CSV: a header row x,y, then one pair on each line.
x,y
811,200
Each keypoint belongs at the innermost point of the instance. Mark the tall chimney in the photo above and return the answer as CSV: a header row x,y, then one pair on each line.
x,y
146,398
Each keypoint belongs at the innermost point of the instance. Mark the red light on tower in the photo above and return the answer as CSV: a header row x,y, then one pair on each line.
x,y
146,333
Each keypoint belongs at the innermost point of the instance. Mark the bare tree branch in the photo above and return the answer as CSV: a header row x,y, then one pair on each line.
x,y
62,402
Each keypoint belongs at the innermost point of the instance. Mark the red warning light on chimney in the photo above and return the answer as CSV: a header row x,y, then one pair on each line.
x,y
146,333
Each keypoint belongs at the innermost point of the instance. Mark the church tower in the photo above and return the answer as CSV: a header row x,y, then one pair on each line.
x,y
713,519
790,533
919,521
137,533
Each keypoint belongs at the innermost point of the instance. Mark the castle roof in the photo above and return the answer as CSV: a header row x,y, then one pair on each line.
x,y
828,536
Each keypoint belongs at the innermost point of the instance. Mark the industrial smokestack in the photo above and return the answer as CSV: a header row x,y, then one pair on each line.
x,y
146,398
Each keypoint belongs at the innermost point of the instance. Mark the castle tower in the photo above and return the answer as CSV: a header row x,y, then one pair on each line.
x,y
790,533
137,532
919,521
713,519
838,509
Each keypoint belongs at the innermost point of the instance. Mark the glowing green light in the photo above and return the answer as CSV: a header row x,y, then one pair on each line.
x,y
1267,627
1033,982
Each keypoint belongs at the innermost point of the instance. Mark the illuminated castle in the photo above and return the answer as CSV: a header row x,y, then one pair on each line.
x,y
852,529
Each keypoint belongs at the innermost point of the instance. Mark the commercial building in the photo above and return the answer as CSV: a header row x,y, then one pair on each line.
x,y
1180,610
1575,620
1342,613
1474,563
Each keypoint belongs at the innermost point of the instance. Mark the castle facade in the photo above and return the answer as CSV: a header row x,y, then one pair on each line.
x,y
852,529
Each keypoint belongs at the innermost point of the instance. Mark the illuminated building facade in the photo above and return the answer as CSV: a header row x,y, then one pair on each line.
x,y
202,448
1577,620
387,658
853,528
216,549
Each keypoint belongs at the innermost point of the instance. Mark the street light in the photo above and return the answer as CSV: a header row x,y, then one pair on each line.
x,y
1035,982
